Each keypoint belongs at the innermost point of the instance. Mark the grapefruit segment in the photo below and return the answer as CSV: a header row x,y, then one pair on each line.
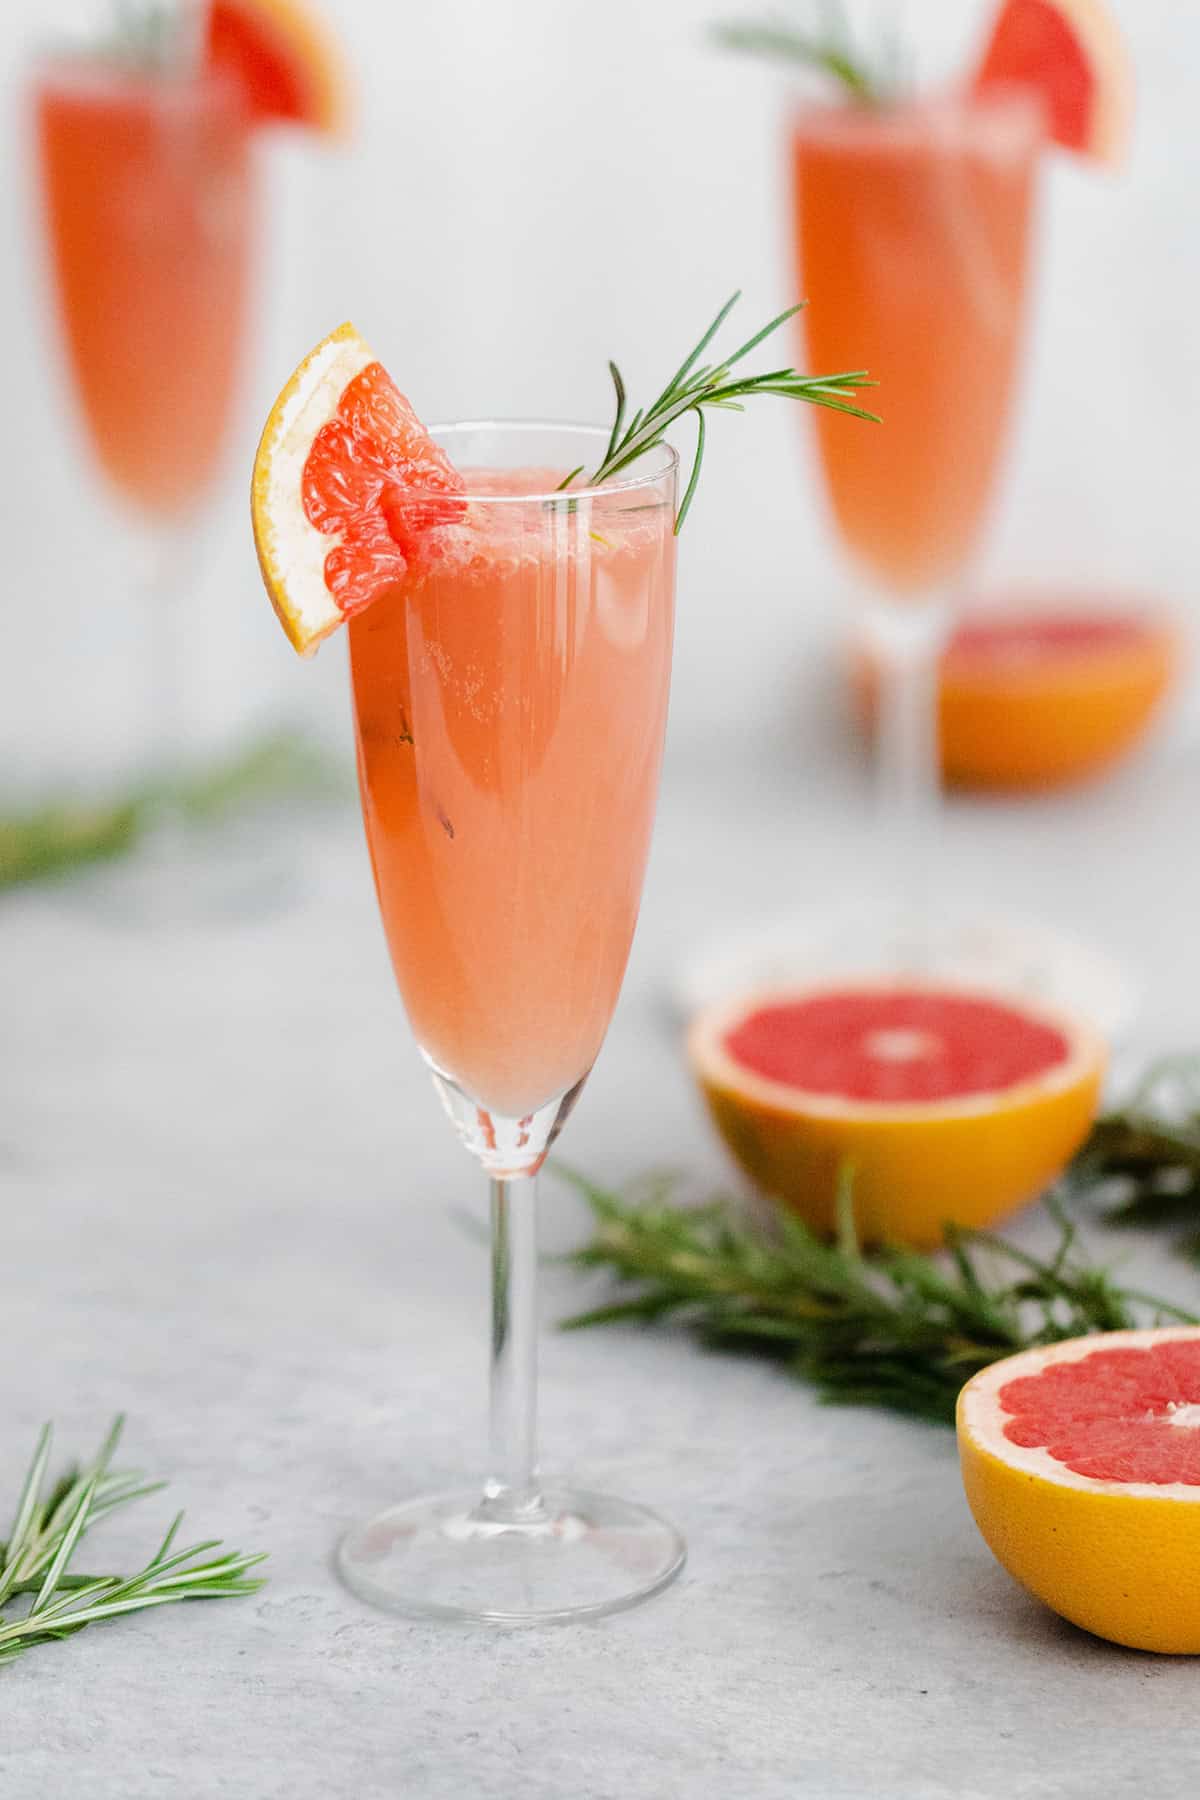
x,y
284,60
1072,55
1081,1463
953,1107
346,483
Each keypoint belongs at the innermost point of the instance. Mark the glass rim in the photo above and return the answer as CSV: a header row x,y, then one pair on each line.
x,y
85,62
1008,99
627,482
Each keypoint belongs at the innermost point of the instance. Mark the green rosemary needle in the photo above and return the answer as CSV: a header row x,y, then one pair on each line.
x,y
693,388
894,1328
46,1533
1141,1163
828,48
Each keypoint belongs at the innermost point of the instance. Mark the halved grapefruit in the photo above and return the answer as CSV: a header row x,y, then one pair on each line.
x,y
1081,1462
1040,697
346,483
952,1107
283,57
1047,690
1072,55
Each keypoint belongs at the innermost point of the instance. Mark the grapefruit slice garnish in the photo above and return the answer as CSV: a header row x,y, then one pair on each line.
x,y
283,57
346,484
1081,1462
1072,55
1048,689
952,1106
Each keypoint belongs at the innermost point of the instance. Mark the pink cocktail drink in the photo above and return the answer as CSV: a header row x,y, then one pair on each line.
x,y
912,243
510,702
148,194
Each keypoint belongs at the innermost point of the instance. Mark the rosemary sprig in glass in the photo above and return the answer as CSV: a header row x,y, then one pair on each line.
x,y
827,47
894,1328
46,1533
695,387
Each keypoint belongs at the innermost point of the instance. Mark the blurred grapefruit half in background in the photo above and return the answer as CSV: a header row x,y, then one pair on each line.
x,y
1045,690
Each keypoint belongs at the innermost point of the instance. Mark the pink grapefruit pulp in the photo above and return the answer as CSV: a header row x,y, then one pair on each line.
x,y
1081,1463
952,1107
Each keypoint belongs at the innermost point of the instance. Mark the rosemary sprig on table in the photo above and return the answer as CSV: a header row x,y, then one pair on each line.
x,y
828,48
1142,1160
692,388
46,1533
894,1328
65,835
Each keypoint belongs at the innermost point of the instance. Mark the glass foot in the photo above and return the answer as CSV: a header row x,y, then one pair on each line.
x,y
578,1556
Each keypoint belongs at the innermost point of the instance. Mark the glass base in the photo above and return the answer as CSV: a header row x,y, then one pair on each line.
x,y
578,1556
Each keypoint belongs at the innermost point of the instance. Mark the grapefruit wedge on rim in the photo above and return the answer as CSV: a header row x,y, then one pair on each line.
x,y
284,59
953,1107
1072,55
347,482
1081,1463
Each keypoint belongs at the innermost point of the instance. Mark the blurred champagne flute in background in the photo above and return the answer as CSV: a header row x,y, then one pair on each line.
x,y
145,133
913,213
913,222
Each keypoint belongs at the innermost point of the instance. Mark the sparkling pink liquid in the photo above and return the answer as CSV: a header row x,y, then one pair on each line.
x,y
510,702
148,203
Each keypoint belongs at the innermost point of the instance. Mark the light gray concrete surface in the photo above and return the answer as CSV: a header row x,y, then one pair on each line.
x,y
229,1210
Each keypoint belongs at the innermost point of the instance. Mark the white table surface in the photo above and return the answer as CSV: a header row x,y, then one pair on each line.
x,y
229,1211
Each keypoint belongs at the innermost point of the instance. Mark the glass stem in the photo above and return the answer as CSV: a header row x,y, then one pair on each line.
x,y
908,643
512,1491
164,684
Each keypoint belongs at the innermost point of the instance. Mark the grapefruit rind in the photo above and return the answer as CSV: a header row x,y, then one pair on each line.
x,y
1118,1559
291,551
1021,716
1060,718
1103,52
917,1167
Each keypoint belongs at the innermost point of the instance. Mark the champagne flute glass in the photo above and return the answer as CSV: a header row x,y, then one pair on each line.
x,y
148,191
913,225
510,703
912,228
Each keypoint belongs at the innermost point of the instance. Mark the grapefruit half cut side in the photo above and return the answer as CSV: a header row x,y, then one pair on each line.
x,y
1041,690
1072,55
1081,1463
1043,696
346,484
953,1107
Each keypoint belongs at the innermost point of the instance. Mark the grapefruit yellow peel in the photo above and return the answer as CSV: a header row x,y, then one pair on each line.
x,y
1121,1560
291,551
